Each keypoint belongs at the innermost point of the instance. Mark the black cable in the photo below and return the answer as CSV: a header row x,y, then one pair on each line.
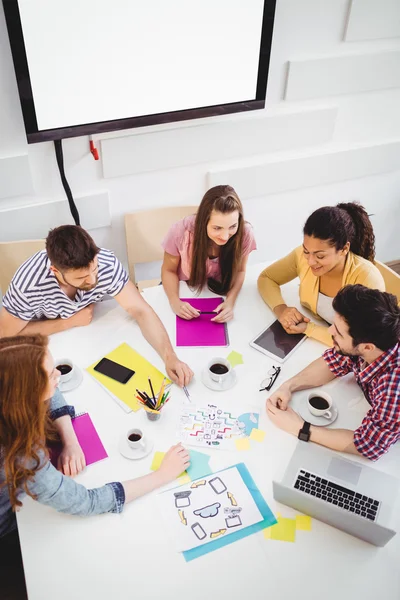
x,y
60,163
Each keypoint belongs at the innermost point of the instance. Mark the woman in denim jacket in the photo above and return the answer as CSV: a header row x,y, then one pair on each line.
x,y
27,379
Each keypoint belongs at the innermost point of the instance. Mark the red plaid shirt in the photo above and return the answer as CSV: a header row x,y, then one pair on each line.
x,y
380,382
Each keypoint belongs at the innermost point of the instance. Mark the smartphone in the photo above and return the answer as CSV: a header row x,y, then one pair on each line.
x,y
114,370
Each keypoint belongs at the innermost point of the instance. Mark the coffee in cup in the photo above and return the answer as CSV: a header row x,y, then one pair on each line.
x,y
135,439
66,368
219,369
319,404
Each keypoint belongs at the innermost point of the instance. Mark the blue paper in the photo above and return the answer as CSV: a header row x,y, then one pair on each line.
x,y
199,466
263,507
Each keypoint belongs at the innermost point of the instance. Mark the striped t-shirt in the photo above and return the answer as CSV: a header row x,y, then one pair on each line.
x,y
35,293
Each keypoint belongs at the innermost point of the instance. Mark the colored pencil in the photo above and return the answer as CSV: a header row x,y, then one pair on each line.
x,y
152,391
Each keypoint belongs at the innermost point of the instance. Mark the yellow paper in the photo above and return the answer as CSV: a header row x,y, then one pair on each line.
x,y
267,533
156,464
242,443
284,530
257,435
128,357
303,522
157,460
235,358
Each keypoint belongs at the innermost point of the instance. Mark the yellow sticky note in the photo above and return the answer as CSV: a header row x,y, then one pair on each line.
x,y
157,460
235,358
242,443
267,533
184,478
284,530
303,522
257,435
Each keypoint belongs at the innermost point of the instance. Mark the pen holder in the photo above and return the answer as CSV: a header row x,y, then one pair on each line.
x,y
152,415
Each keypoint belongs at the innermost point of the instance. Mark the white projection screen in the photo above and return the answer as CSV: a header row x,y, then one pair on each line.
x,y
90,66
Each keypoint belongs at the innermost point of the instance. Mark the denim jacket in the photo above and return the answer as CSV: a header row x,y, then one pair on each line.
x,y
51,487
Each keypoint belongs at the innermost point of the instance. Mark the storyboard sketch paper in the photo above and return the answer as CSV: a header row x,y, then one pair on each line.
x,y
210,426
208,509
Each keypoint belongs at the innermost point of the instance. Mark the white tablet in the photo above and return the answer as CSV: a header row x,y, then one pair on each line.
x,y
276,343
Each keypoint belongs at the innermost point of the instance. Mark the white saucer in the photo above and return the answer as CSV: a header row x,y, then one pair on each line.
x,y
227,384
127,451
319,421
74,382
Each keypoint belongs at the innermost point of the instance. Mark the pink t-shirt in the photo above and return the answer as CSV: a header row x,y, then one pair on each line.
x,y
179,242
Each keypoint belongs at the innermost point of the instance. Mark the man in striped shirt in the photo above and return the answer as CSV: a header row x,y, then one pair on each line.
x,y
56,289
366,333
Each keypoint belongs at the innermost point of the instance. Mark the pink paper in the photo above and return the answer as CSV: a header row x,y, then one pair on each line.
x,y
201,331
88,438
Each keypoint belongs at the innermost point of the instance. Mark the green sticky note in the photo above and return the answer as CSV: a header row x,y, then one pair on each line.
x,y
303,522
284,530
235,358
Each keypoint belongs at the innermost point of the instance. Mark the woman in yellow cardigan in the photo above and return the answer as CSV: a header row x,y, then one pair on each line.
x,y
338,249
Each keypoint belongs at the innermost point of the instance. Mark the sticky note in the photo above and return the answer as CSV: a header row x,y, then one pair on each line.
x,y
267,533
184,478
199,466
242,443
235,358
157,460
257,435
284,530
303,522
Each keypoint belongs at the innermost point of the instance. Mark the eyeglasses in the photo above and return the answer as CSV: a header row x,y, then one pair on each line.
x,y
267,383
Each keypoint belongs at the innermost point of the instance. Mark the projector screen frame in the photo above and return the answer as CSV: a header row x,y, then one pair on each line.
x,y
35,135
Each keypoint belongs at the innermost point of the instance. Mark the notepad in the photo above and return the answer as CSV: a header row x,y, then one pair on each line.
x,y
125,393
201,331
88,439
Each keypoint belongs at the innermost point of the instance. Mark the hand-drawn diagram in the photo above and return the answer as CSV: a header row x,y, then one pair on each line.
x,y
182,517
211,426
199,531
197,484
208,511
182,499
233,521
217,485
232,499
216,534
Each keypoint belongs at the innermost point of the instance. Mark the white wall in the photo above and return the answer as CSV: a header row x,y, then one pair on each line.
x,y
307,149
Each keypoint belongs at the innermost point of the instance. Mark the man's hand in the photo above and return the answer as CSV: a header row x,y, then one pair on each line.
x,y
71,460
225,312
289,316
178,371
82,317
281,398
300,328
184,310
288,419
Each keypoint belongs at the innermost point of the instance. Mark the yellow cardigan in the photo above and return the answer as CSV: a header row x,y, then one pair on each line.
x,y
356,270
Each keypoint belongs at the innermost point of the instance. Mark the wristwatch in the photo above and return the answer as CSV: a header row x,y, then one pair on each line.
x,y
304,433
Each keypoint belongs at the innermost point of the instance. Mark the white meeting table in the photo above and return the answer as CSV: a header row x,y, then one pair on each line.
x,y
131,555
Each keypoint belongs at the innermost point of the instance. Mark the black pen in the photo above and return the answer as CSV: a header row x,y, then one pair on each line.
x,y
152,391
208,312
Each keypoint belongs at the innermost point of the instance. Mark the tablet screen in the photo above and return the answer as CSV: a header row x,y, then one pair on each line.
x,y
276,341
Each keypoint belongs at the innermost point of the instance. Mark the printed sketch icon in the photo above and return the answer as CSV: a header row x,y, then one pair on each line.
x,y
232,499
182,517
208,511
233,521
217,485
197,484
199,531
182,499
218,533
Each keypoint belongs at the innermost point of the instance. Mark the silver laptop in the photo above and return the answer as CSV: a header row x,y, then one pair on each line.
x,y
343,493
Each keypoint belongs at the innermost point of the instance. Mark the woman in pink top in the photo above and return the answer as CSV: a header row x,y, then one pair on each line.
x,y
211,247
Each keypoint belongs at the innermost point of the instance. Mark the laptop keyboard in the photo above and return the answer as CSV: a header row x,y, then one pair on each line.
x,y
337,494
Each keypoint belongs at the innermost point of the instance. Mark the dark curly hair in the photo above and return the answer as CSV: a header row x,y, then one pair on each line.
x,y
346,222
372,316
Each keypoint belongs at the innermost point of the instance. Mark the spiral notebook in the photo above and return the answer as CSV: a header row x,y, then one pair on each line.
x,y
88,439
201,331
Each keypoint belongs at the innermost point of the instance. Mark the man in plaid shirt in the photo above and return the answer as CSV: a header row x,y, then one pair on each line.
x,y
366,333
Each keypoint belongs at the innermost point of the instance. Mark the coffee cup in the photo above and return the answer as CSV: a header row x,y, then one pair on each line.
x,y
135,439
219,369
319,404
66,368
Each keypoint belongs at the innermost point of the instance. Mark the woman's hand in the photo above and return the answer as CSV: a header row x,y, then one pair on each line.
x,y
174,463
225,312
184,310
71,460
289,317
